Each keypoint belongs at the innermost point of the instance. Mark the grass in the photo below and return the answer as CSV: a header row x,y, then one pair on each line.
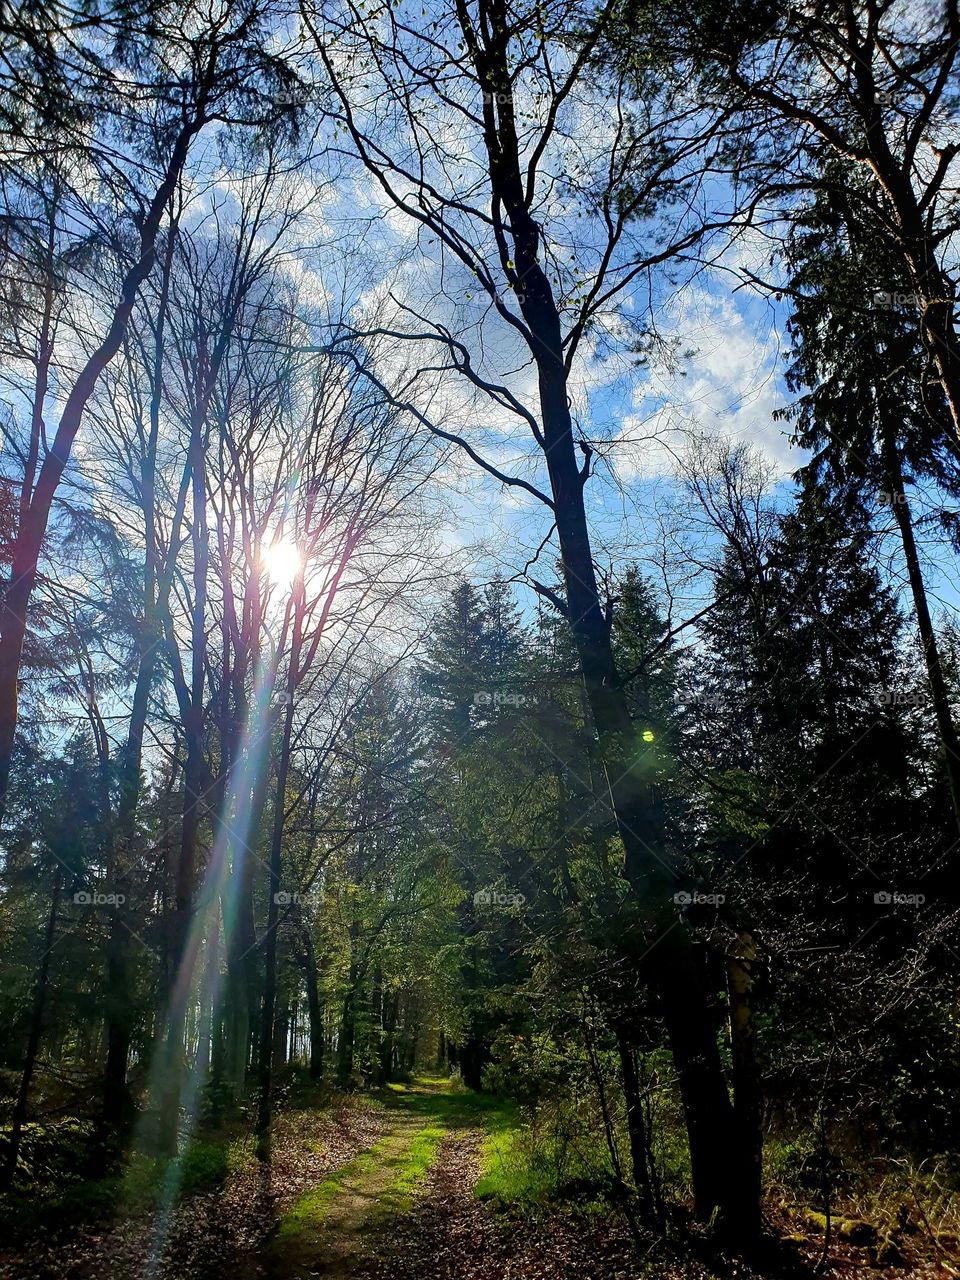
x,y
295,1245
533,1164
413,1169
443,1105
890,1193
512,1171
441,1099
505,1172
309,1210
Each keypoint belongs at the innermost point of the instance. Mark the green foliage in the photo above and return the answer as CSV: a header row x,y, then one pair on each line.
x,y
532,1158
145,1183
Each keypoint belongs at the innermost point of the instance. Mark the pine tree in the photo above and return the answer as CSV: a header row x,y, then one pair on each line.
x,y
457,667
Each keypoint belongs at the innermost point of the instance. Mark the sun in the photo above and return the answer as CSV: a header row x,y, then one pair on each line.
x,y
281,562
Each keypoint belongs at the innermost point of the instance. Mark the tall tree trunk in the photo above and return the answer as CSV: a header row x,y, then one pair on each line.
x,y
33,527
115,1114
33,1039
243,980
388,1038
264,1103
314,1004
375,1025
348,1019
185,946
661,945
928,636
345,1040
640,1156
919,255
747,1164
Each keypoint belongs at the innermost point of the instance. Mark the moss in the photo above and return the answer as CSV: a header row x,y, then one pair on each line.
x,y
307,1213
413,1168
853,1230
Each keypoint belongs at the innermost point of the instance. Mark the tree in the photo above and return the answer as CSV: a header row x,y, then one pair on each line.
x,y
867,86
866,404
72,822
229,74
491,219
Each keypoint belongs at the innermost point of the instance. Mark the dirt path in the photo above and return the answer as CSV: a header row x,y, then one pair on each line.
x,y
383,1187
216,1234
338,1228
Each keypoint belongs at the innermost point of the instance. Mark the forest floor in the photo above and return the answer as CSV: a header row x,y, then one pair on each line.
x,y
381,1188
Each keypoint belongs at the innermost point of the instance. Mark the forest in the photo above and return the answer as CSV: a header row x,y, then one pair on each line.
x,y
479,642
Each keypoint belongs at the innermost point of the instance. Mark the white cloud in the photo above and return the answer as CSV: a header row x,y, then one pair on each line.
x,y
726,382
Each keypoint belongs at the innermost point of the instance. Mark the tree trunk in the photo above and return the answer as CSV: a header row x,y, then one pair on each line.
x,y
348,1018
32,529
662,945
933,294
33,1039
640,1156
928,636
314,1004
346,1037
388,1039
747,1171
264,1104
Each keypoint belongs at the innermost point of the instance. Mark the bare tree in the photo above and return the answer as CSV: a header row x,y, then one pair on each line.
x,y
218,62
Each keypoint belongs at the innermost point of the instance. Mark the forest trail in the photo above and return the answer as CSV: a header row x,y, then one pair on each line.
x,y
341,1226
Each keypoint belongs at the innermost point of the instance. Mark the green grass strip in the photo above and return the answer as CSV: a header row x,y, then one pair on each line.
x,y
311,1207
414,1165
